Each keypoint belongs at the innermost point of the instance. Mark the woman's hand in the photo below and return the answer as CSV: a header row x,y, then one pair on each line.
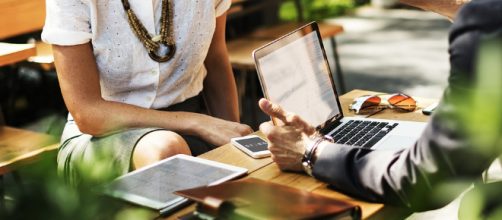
x,y
218,131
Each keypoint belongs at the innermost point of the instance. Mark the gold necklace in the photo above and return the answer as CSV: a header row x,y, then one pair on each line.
x,y
152,42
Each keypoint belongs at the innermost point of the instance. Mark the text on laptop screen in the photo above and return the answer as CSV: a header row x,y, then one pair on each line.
x,y
297,78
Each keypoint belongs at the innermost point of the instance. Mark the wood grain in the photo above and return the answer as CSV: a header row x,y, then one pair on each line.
x,y
21,17
266,170
416,115
327,30
240,50
12,53
19,146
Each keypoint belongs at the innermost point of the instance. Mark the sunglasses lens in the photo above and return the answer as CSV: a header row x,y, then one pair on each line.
x,y
403,102
365,104
371,102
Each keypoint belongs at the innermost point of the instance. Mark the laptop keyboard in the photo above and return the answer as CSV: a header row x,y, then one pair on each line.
x,y
362,133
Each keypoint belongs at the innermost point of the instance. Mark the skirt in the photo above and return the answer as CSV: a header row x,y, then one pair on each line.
x,y
82,156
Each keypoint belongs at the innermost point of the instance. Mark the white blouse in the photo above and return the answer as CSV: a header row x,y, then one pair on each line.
x,y
127,73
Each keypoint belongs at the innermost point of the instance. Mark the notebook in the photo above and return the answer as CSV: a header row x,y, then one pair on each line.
x,y
154,186
257,199
294,73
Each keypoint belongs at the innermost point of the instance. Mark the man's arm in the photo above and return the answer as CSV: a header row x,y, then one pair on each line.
x,y
445,153
448,8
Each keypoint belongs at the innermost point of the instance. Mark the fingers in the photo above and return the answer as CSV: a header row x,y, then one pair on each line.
x,y
244,129
287,118
266,128
285,145
272,109
297,122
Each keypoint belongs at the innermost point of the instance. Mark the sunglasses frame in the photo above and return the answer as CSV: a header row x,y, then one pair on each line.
x,y
379,107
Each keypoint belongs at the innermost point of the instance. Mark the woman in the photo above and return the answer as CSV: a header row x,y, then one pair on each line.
x,y
133,73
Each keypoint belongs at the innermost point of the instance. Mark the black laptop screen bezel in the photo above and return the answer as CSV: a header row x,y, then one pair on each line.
x,y
285,40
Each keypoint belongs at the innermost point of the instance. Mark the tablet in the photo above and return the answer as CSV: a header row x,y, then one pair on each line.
x,y
153,186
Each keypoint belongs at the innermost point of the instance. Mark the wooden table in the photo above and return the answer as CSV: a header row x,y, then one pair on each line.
x,y
266,170
19,146
21,17
13,53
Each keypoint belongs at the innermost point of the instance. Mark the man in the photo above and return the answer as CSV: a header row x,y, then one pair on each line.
x,y
444,154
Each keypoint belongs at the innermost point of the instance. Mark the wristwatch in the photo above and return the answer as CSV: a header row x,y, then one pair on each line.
x,y
310,150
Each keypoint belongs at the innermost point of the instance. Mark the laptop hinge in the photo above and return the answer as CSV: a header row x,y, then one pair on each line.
x,y
329,126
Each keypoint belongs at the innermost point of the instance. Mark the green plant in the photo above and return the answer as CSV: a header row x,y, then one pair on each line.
x,y
318,9
47,195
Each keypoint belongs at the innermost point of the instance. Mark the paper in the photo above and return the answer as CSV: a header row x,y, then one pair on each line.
x,y
153,187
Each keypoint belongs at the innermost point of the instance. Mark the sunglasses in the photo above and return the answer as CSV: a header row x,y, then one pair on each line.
x,y
368,104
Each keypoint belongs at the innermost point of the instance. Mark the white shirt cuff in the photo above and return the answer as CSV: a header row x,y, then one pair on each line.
x,y
64,37
222,7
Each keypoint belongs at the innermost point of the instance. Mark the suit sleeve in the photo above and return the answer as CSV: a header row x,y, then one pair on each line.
x,y
444,155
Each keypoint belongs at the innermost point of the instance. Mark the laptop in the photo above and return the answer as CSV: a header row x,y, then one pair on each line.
x,y
294,73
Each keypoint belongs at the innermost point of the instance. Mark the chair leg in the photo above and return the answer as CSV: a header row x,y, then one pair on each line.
x,y
253,78
338,67
2,194
17,180
240,78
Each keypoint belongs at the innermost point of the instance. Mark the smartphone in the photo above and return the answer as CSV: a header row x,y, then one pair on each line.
x,y
252,145
429,109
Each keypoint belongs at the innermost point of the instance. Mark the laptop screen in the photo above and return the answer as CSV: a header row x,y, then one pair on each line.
x,y
294,73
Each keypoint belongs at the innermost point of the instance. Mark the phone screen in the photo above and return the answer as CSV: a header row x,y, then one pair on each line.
x,y
254,144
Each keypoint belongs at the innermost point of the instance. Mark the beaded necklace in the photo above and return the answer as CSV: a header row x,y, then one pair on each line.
x,y
152,42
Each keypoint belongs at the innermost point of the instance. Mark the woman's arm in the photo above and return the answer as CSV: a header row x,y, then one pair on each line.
x,y
79,81
220,90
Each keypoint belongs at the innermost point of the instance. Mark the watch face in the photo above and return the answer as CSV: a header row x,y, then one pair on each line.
x,y
307,167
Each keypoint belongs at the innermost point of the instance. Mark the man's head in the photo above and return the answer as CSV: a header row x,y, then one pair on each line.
x,y
447,8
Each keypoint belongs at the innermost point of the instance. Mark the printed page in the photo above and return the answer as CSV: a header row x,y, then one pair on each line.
x,y
159,182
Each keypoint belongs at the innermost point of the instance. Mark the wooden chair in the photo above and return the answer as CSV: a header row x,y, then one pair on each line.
x,y
17,146
22,17
20,147
13,53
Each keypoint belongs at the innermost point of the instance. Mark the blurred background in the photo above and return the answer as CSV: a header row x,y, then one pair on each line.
x,y
377,45
383,46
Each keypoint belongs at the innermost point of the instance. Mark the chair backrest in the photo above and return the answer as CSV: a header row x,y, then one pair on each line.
x,y
2,120
248,7
247,15
20,17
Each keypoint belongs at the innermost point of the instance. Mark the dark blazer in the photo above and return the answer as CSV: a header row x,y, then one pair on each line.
x,y
444,153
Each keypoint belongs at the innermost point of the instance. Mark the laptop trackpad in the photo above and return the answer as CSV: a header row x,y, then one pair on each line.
x,y
395,142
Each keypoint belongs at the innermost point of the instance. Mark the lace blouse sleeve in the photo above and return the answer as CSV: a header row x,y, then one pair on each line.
x,y
67,22
221,6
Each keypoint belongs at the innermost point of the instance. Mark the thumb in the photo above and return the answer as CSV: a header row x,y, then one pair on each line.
x,y
273,110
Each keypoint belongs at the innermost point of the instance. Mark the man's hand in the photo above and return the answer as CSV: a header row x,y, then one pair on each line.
x,y
286,118
287,141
